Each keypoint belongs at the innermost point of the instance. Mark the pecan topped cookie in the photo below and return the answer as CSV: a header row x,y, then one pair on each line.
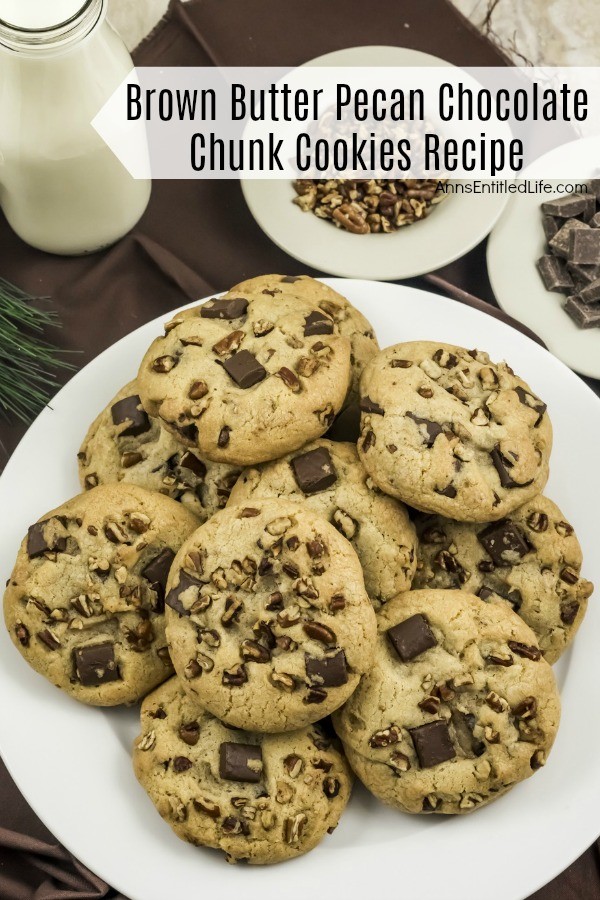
x,y
246,379
531,560
268,621
448,431
126,444
85,602
459,706
324,299
330,479
258,797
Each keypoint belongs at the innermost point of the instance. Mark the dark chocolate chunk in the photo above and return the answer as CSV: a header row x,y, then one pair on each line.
x,y
463,724
591,292
567,206
314,471
330,671
561,242
37,544
568,611
448,491
181,764
95,664
190,461
49,639
172,599
555,274
432,743
369,406
411,637
157,572
130,410
550,225
346,426
584,246
240,762
505,542
594,222
533,402
428,430
502,465
189,432
223,439
585,315
317,322
291,279
582,275
189,732
225,308
244,369
525,650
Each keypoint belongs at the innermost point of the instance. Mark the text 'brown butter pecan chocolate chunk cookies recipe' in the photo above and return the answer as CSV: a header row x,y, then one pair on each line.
x,y
458,707
262,798
329,478
244,380
328,305
268,621
530,560
85,602
446,430
126,444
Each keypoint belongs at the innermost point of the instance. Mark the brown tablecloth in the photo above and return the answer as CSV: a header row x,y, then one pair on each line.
x,y
195,238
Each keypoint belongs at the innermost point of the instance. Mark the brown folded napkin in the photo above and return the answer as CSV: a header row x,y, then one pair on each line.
x,y
198,237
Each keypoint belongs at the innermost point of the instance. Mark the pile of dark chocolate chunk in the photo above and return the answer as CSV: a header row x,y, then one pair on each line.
x,y
571,265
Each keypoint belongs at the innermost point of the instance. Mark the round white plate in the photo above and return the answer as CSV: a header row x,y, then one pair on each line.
x,y
453,228
73,763
515,245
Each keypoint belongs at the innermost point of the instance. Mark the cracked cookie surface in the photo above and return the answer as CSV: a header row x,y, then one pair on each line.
x,y
329,478
268,620
448,431
247,379
530,561
125,444
458,707
85,602
263,798
350,321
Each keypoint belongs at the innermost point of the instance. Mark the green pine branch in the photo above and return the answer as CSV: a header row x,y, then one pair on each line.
x,y
28,362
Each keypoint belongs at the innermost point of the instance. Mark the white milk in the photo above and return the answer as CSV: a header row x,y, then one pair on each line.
x,y
61,187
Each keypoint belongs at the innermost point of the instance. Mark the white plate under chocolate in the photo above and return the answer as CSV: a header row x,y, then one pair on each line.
x,y
515,245
73,763
452,228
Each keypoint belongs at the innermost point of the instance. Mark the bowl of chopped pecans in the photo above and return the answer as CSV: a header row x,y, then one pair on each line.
x,y
377,229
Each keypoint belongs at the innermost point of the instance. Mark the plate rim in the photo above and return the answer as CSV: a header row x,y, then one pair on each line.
x,y
334,282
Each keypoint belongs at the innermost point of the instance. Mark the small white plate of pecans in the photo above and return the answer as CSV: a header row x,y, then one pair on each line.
x,y
384,230
73,762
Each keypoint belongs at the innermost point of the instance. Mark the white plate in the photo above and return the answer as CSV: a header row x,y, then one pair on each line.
x,y
73,763
457,225
518,241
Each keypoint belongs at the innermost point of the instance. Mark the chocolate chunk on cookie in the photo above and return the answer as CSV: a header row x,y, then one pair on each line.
x,y
262,798
85,601
268,620
450,727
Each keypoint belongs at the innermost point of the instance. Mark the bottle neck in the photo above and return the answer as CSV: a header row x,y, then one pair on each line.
x,y
52,39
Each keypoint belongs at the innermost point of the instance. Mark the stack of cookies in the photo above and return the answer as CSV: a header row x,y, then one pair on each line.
x,y
247,577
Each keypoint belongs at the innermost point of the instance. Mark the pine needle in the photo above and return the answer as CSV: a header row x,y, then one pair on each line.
x,y
28,362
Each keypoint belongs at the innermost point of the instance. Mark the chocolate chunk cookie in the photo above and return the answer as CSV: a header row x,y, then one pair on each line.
x,y
324,299
450,432
85,602
458,707
268,620
126,444
329,477
530,560
262,798
245,379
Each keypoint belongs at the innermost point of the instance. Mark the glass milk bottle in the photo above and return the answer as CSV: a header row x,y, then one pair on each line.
x,y
61,188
